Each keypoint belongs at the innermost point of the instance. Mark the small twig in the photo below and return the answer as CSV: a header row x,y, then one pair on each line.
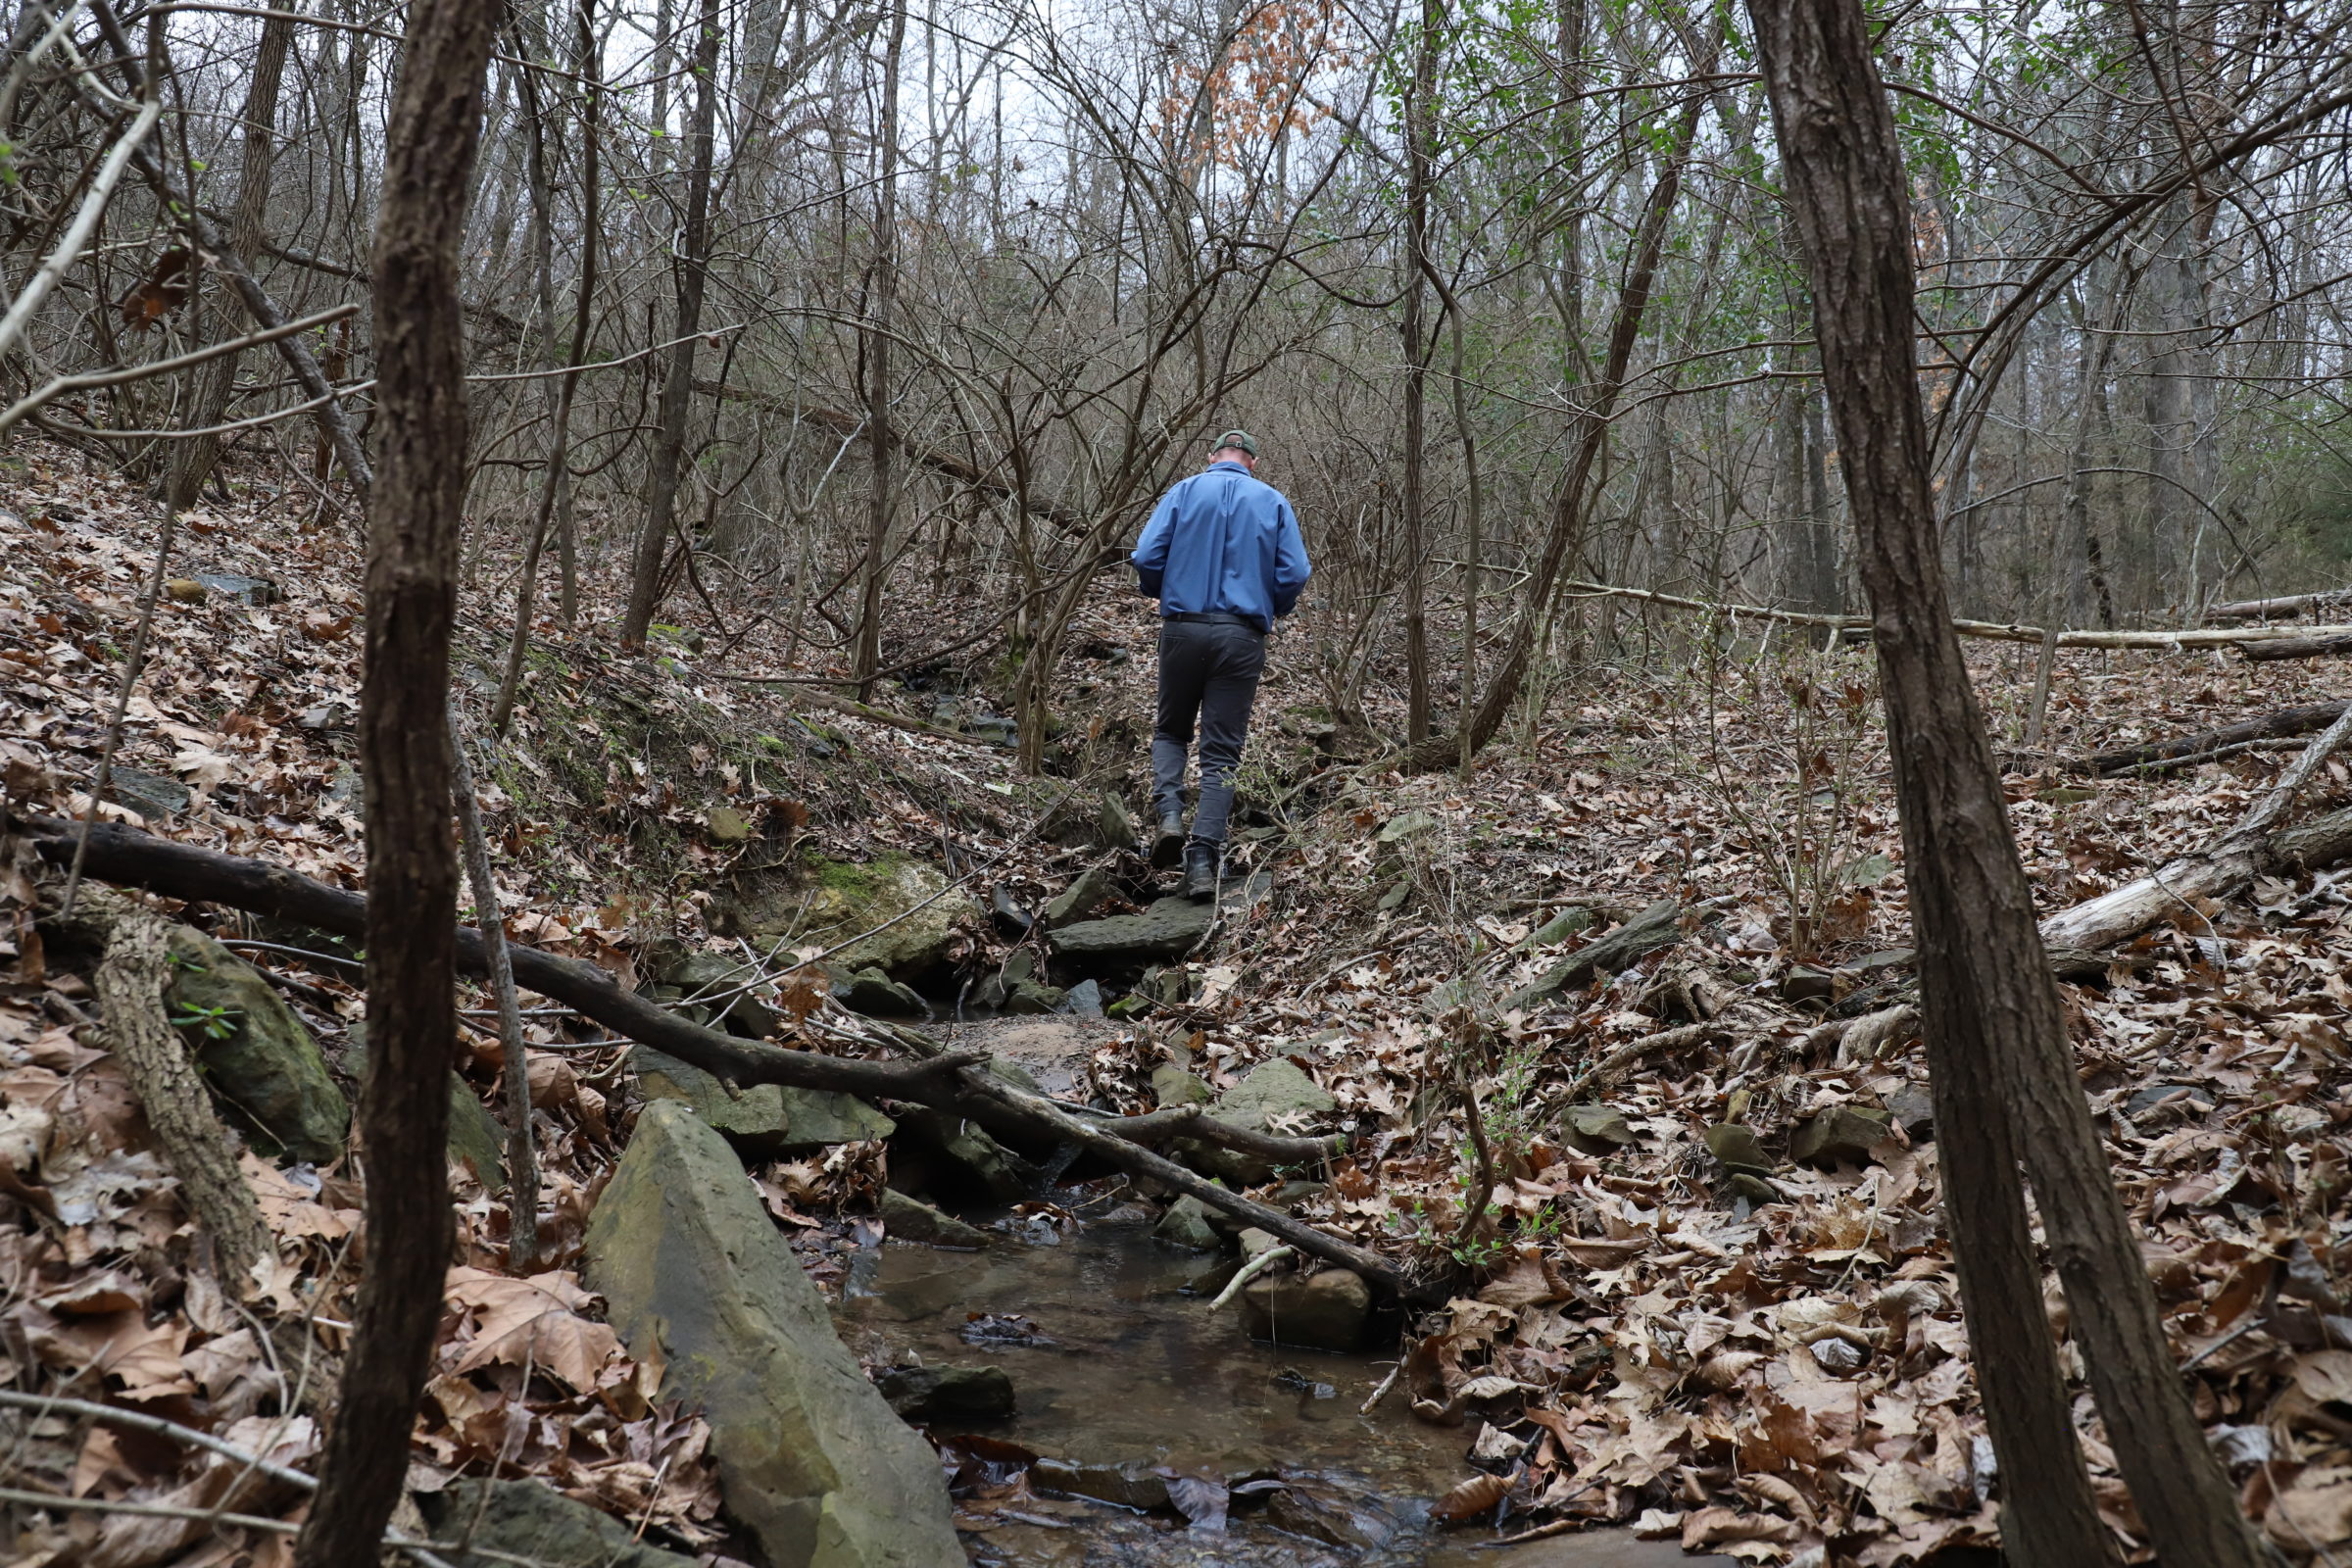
x,y
114,726
1249,1271
1394,1377
64,384
522,1168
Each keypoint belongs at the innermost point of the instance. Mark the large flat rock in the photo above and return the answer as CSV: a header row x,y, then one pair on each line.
x,y
811,1457
533,1520
1167,928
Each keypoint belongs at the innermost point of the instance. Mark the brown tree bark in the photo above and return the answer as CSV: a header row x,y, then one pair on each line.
x,y
677,388
881,495
430,143
1413,468
2003,1082
245,232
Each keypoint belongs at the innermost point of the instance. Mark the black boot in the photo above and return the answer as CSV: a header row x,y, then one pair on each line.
x,y
1167,844
1201,863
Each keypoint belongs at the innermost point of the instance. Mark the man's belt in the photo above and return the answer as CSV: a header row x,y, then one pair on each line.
x,y
1216,617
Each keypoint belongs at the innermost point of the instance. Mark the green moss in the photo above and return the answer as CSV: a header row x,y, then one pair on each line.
x,y
852,877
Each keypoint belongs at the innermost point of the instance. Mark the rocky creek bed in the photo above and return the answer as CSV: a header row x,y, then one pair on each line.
x,y
1135,1404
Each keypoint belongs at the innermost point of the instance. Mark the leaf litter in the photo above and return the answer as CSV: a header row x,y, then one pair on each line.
x,y
1762,1359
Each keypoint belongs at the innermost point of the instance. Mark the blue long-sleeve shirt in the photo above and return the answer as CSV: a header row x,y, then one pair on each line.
x,y
1223,540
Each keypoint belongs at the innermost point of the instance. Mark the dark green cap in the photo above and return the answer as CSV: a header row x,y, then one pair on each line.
x,y
1236,438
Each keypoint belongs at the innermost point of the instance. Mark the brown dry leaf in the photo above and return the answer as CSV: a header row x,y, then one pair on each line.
x,y
1526,1283
535,1322
288,1210
1469,1500
1731,1529
2314,1514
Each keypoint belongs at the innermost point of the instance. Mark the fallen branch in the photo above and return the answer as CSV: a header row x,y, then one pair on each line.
x,y
2298,648
133,977
1249,1271
1632,1051
2286,722
2225,870
951,1081
1997,631
2291,604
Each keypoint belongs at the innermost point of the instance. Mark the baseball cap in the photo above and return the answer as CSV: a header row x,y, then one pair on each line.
x,y
1236,438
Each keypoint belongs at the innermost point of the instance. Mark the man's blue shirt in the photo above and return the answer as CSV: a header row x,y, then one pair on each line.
x,y
1223,541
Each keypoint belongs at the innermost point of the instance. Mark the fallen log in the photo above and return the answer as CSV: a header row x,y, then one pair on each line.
x,y
2298,648
2289,605
946,1080
2223,870
1997,631
2288,721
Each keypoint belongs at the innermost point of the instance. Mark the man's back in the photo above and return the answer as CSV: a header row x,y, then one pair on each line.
x,y
1223,541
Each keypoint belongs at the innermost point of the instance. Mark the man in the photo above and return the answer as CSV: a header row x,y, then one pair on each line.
x,y
1223,556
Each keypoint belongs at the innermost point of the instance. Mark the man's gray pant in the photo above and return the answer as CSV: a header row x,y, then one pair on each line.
x,y
1207,673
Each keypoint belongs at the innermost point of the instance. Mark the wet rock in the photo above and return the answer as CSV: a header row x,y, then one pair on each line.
x,y
1007,911
1324,1311
1085,999
530,1519
1735,1144
1343,1519
878,996
1168,929
1127,1485
151,795
1030,997
710,989
901,913
253,591
1595,1129
910,1219
933,1396
952,1156
1186,1223
259,1061
1275,1089
1658,926
1082,898
1173,1086
811,1458
1844,1133
762,1119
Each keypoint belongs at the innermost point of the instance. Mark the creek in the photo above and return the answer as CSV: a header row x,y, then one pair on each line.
x,y
1139,1373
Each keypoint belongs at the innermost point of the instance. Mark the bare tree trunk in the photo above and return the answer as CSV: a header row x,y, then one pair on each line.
x,y
677,388
555,495
1416,373
1564,533
868,657
2004,1083
245,232
430,143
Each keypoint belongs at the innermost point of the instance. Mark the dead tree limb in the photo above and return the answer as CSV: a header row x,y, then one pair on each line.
x,y
522,1168
2288,721
129,858
131,983
2225,870
2298,648
2291,604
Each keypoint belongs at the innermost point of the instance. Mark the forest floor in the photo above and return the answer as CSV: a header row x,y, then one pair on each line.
x,y
1762,1358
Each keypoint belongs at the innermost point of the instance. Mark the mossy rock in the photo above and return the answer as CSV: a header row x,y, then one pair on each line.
x,y
827,902
811,1459
258,1058
759,1118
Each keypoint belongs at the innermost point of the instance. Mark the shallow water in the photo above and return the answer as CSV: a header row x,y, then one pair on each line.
x,y
1140,1372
